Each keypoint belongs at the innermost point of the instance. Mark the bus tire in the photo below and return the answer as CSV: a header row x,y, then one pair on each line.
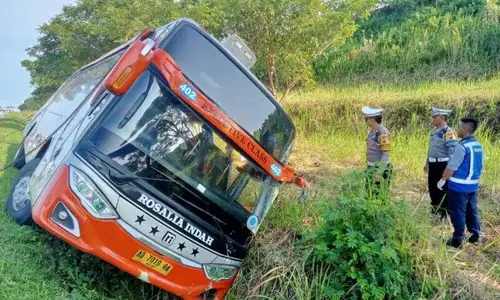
x,y
18,201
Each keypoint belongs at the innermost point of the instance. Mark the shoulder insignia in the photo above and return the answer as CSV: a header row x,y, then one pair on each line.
x,y
450,135
385,142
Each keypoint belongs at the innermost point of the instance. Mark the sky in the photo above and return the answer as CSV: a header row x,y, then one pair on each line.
x,y
19,21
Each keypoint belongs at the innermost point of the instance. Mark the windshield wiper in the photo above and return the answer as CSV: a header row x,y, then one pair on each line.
x,y
120,179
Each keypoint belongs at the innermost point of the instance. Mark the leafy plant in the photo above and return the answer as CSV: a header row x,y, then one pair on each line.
x,y
359,238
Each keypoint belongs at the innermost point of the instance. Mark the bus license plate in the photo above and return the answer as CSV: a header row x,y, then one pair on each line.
x,y
152,262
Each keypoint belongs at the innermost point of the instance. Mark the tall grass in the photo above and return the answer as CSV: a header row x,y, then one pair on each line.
x,y
347,150
401,44
339,108
331,121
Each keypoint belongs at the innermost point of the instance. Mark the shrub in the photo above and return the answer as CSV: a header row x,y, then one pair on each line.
x,y
359,239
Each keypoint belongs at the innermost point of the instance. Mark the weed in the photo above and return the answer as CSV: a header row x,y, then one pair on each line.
x,y
359,238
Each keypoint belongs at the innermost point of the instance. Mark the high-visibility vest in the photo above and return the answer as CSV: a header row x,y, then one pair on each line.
x,y
466,178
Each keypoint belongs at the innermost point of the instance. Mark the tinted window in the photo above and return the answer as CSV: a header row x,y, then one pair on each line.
x,y
78,86
153,134
225,84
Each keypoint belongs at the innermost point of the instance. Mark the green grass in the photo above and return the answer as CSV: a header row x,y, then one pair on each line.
x,y
409,42
406,109
346,150
23,273
382,94
465,274
34,265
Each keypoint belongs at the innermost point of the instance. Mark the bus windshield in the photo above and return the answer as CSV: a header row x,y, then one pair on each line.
x,y
230,88
152,133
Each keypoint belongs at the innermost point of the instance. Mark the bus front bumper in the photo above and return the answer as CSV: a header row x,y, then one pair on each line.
x,y
107,240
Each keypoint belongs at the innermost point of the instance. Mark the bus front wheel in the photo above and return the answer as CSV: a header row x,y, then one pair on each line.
x,y
18,201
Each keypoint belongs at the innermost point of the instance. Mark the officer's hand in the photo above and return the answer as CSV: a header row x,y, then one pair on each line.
x,y
440,184
426,169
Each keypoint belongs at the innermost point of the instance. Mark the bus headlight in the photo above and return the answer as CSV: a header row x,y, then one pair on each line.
x,y
217,273
90,196
32,142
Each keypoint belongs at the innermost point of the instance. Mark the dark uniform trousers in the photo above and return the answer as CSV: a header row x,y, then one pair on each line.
x,y
439,198
374,188
463,212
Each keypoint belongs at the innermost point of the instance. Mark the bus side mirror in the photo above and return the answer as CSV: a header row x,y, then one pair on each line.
x,y
130,66
301,182
303,195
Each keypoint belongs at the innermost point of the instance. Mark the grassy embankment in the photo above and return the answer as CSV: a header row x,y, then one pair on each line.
x,y
419,54
331,144
33,265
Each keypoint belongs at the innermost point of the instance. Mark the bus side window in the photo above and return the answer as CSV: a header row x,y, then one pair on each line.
x,y
80,85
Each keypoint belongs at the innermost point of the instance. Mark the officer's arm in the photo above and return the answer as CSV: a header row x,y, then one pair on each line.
x,y
385,146
427,158
456,160
447,174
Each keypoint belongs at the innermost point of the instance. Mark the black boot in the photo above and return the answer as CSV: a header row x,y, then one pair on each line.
x,y
455,242
474,239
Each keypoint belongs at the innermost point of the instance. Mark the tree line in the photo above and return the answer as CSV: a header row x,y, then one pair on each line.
x,y
286,35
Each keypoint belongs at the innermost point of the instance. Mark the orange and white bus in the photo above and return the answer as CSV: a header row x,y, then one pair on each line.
x,y
162,158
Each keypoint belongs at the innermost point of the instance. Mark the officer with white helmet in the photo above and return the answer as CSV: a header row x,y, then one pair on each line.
x,y
442,141
378,147
462,174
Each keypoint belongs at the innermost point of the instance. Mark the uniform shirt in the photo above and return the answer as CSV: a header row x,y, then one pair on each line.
x,y
442,142
378,145
457,158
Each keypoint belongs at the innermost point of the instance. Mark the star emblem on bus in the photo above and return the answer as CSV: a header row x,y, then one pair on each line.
x,y
194,252
181,246
154,230
140,219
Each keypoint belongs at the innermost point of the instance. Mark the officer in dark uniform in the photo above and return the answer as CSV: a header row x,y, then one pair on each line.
x,y
442,141
378,147
462,174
